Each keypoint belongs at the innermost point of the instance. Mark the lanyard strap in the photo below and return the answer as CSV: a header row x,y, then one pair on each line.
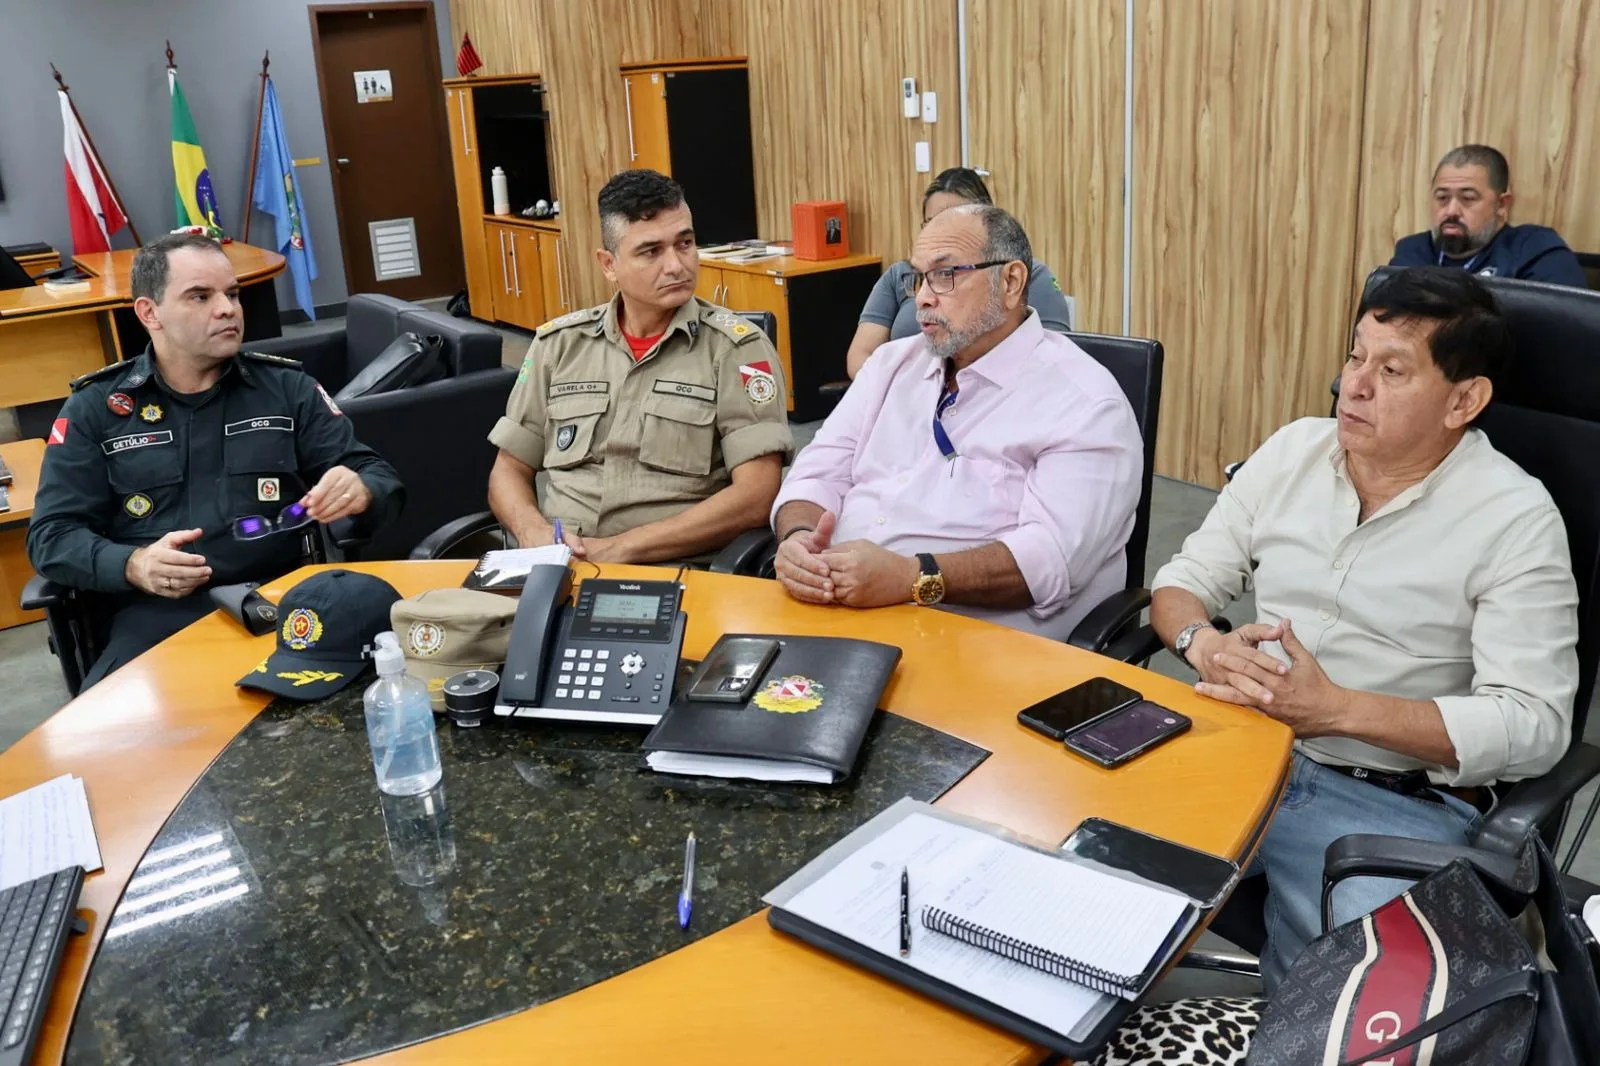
x,y
1469,264
940,437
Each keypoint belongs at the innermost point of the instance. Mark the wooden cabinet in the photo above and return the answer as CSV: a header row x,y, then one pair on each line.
x,y
817,306
690,119
518,283
553,271
469,200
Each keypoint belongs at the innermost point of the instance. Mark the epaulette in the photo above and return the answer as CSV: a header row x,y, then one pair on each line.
x,y
95,375
736,328
575,318
276,360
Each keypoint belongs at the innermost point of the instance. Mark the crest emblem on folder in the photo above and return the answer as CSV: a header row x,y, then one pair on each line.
x,y
794,694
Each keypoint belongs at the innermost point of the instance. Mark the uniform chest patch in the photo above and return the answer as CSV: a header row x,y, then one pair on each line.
x,y
268,489
282,423
118,445
565,436
151,413
120,404
138,505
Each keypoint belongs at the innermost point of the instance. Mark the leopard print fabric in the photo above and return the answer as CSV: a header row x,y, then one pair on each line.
x,y
1205,1031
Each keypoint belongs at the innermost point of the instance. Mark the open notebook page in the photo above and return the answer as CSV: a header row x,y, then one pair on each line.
x,y
860,898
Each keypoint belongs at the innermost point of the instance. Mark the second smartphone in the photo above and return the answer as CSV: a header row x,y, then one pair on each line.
x,y
1056,716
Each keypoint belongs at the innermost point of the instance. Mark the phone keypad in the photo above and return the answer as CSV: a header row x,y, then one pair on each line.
x,y
586,671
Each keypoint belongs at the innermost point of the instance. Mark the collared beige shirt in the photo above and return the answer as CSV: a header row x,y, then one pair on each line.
x,y
1459,591
626,443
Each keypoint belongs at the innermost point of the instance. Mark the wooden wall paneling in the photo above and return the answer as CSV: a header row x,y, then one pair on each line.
x,y
1046,98
825,110
503,32
1247,131
1523,77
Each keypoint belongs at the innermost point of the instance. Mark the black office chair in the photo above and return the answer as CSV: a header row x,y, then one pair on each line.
x,y
14,276
76,619
469,536
1545,417
1136,364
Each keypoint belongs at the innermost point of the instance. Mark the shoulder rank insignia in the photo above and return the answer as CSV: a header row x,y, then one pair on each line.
x,y
277,360
736,328
95,375
575,318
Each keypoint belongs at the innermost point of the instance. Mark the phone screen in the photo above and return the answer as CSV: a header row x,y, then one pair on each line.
x,y
1065,711
1117,735
1201,876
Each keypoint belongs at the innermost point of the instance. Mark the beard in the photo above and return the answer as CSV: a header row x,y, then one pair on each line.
x,y
956,341
1461,244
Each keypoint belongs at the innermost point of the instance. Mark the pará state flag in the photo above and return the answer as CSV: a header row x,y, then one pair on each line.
x,y
275,190
196,201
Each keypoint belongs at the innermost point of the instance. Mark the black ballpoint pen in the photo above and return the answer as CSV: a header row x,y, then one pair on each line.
x,y
905,912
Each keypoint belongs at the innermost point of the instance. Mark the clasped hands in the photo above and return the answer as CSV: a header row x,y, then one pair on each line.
x,y
1234,669
856,573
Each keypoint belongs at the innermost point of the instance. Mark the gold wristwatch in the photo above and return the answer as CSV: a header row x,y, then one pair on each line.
x,y
929,586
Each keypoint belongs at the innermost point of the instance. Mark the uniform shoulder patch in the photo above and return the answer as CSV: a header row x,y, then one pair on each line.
x,y
736,328
574,318
275,360
96,375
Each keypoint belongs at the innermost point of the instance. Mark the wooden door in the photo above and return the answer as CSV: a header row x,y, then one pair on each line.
x,y
498,253
708,286
648,147
553,275
469,200
763,292
378,68
528,276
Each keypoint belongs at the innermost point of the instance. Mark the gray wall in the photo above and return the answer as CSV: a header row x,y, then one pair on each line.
x,y
112,55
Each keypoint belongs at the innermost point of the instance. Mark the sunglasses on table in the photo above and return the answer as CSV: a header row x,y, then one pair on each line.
x,y
254,527
942,280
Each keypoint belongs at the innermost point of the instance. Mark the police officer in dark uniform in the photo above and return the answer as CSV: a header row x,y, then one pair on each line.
x,y
154,460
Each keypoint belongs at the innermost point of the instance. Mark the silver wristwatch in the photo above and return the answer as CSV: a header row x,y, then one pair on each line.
x,y
1180,646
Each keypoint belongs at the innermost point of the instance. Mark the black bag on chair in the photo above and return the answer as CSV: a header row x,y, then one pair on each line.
x,y
1442,976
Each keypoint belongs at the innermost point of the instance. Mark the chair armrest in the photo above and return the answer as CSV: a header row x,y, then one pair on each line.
x,y
323,355
832,390
745,554
1371,855
453,531
40,594
1528,805
1108,618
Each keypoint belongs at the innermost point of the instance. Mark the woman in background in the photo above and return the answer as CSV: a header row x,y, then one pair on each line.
x,y
891,315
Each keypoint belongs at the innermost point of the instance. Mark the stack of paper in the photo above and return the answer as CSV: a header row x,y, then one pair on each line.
x,y
44,829
508,569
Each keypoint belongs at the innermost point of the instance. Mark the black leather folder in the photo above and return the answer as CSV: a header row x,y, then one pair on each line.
x,y
812,705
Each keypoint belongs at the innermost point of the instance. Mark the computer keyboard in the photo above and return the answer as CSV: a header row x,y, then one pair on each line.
x,y
35,918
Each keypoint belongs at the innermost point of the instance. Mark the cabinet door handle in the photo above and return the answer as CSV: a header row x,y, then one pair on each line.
x,y
505,276
561,275
461,101
516,267
627,98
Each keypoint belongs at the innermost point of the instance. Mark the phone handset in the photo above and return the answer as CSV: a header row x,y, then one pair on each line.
x,y
534,632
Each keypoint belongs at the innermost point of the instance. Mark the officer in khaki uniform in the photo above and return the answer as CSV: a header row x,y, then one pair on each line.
x,y
635,431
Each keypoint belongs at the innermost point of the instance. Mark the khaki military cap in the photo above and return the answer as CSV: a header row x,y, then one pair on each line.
x,y
445,631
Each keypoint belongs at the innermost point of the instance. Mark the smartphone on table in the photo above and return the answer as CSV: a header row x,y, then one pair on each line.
x,y
1126,733
1203,877
1056,716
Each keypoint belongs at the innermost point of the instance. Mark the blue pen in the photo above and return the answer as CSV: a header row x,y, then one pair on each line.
x,y
560,537
686,897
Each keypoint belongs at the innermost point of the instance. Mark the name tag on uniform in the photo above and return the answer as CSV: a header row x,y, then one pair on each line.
x,y
117,445
283,423
683,388
577,388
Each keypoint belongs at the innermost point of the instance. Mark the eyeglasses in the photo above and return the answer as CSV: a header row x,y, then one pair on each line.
x,y
942,280
254,527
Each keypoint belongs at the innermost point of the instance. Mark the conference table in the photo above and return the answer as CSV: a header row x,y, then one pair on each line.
x,y
47,338
144,737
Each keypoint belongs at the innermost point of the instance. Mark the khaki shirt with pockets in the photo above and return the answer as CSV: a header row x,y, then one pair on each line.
x,y
626,444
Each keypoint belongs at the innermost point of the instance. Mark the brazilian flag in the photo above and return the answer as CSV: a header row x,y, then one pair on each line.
x,y
196,201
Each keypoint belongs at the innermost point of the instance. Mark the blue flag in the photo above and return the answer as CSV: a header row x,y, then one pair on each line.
x,y
277,193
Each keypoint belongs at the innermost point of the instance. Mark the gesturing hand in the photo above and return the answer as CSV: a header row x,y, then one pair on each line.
x,y
1244,643
799,566
162,570
339,493
865,574
1299,694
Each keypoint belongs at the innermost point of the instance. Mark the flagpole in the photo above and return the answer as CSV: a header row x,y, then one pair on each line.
x,y
255,152
121,203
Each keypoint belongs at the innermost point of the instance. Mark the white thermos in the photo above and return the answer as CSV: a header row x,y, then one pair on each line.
x,y
502,195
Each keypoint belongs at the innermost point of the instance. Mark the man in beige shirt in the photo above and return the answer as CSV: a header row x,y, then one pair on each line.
x,y
659,418
1418,614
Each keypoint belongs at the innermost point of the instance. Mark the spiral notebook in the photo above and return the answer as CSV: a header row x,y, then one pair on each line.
x,y
1054,950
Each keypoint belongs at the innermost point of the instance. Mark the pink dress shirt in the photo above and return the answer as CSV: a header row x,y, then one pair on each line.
x,y
1048,464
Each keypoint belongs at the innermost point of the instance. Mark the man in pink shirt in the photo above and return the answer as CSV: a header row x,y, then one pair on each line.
x,y
986,465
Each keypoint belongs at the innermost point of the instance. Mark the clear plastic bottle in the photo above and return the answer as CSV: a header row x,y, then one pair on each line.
x,y
405,748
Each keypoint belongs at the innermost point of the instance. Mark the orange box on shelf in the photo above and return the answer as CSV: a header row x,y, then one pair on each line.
x,y
821,230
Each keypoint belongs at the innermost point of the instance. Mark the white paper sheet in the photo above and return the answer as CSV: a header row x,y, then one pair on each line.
x,y
44,829
677,762
513,564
